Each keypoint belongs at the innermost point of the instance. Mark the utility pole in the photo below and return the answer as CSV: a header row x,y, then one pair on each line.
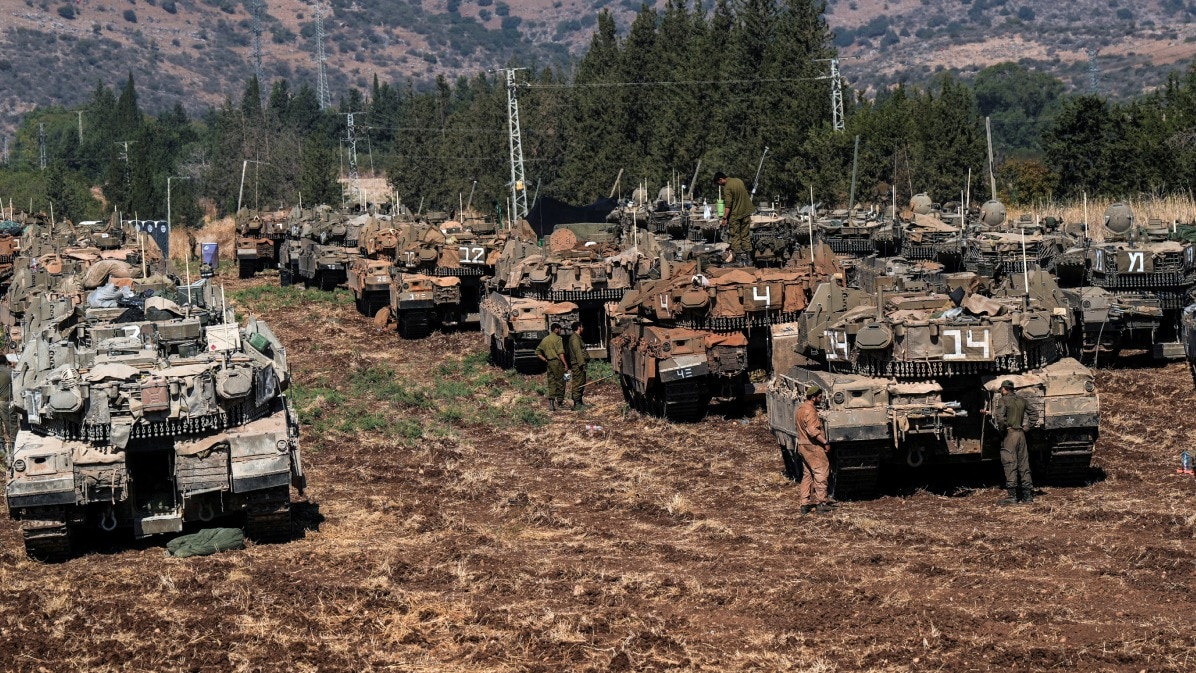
x,y
1093,71
41,145
124,154
256,10
5,150
519,207
351,141
322,94
80,113
173,177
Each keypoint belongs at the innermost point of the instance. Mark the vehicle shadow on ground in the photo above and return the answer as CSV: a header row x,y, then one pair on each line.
x,y
959,481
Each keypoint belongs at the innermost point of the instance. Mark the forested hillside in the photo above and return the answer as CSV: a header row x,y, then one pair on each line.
x,y
200,52
677,88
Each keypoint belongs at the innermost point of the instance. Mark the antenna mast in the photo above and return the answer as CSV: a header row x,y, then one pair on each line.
x,y
322,94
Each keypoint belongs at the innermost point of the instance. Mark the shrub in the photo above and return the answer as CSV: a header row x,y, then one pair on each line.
x,y
130,16
66,12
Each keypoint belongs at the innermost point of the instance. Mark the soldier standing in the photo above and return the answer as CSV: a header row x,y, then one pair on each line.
x,y
578,358
1014,415
8,414
737,216
552,351
813,447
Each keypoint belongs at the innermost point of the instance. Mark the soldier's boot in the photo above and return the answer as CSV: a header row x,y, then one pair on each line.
x,y
823,508
807,509
1011,498
1027,494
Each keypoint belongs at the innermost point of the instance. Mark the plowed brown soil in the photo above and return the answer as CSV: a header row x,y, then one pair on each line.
x,y
432,541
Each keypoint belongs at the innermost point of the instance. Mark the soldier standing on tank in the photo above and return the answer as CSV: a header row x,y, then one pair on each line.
x,y
552,351
579,357
737,216
1014,415
813,447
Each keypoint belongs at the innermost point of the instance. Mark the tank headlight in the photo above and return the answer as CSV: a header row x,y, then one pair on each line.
x,y
1090,386
18,465
282,445
667,346
839,397
406,286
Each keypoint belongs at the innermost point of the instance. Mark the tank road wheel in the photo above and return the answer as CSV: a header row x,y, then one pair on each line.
x,y
47,543
414,324
268,518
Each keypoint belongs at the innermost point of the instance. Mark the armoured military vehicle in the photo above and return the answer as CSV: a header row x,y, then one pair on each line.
x,y
693,336
420,303
259,237
582,264
907,375
931,231
856,233
1188,335
447,249
148,415
370,282
1145,268
1025,243
514,327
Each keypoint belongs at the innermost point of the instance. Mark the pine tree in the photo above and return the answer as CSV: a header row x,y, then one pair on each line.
x,y
318,182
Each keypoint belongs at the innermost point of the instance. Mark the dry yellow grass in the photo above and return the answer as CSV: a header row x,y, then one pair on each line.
x,y
1175,208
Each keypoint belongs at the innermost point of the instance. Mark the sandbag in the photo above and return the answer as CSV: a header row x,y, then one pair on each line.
x,y
205,542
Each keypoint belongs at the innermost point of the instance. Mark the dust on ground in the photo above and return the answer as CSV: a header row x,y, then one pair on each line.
x,y
452,525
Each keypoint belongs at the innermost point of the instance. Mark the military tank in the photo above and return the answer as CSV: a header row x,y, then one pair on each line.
x,y
445,248
150,414
514,327
927,230
906,376
856,233
420,303
693,336
582,264
1143,267
259,239
370,282
1030,241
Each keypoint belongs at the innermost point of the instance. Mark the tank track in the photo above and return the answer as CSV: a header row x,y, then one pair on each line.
x,y
48,544
1069,464
269,519
679,401
246,268
855,483
414,324
525,362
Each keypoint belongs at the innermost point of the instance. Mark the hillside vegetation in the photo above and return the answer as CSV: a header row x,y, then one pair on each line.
x,y
198,52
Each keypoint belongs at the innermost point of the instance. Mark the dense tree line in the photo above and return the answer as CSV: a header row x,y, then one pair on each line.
x,y
685,84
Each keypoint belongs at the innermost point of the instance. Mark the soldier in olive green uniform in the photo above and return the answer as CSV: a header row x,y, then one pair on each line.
x,y
8,414
552,351
578,358
1013,416
737,216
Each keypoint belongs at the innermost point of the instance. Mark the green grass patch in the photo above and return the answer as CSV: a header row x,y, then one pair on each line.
x,y
273,297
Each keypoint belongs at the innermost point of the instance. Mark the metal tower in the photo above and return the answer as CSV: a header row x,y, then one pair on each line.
x,y
519,207
351,141
1093,71
5,150
256,10
41,145
836,96
322,94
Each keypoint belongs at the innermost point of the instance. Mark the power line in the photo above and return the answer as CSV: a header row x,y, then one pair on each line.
x,y
696,82
256,10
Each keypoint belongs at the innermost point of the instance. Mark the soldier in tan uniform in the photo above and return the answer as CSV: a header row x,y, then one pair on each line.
x,y
579,357
552,352
813,447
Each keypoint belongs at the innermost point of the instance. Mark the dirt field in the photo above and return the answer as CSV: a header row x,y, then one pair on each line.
x,y
452,525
